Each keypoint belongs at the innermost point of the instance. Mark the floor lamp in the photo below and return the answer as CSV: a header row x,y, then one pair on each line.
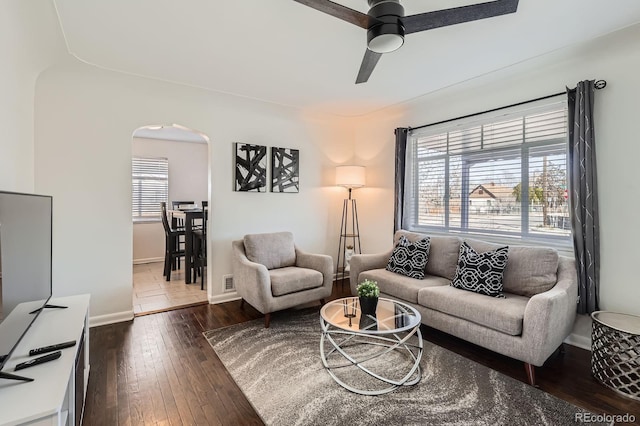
x,y
350,177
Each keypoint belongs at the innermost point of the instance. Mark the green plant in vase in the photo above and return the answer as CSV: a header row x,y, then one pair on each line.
x,y
368,292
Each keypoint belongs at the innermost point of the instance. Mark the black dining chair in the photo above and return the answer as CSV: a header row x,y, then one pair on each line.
x,y
175,205
200,248
172,250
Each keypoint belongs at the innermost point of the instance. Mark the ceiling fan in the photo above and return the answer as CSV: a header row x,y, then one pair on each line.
x,y
386,24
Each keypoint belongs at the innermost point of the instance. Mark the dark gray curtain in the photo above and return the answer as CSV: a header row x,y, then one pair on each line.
x,y
584,195
401,151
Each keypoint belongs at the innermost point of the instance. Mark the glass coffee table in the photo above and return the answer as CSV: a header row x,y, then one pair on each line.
x,y
384,349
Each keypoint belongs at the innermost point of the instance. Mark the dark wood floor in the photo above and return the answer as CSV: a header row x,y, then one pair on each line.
x,y
159,370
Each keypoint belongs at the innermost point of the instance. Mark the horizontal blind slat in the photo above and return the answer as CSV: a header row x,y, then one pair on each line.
x,y
150,186
468,175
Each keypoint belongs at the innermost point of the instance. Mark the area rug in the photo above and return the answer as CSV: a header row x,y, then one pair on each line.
x,y
280,372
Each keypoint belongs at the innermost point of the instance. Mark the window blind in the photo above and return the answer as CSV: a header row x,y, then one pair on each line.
x,y
468,175
150,187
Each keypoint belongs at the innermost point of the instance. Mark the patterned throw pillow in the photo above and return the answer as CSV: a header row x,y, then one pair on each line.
x,y
481,272
409,259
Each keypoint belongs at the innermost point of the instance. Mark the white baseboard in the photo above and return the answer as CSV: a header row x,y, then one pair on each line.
x,y
226,297
579,341
149,260
99,320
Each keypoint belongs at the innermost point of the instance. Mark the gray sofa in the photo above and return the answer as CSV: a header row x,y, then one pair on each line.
x,y
529,324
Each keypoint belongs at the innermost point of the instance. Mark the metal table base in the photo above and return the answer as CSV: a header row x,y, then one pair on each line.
x,y
335,340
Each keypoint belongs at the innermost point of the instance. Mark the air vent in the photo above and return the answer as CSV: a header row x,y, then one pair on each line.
x,y
227,281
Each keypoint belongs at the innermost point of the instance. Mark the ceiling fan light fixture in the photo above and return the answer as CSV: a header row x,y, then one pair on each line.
x,y
385,38
387,24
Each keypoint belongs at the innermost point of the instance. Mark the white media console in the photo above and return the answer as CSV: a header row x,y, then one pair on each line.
x,y
56,396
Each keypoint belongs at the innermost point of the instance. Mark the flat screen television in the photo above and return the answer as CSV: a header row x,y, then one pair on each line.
x,y
25,267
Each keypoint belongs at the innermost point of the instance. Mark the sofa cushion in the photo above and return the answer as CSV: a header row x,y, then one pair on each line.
x,y
273,250
480,272
443,253
529,271
399,286
504,315
409,259
291,279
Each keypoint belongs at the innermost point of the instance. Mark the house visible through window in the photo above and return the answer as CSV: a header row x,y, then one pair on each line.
x,y
150,187
468,175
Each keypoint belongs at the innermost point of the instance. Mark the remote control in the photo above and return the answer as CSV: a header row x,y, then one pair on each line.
x,y
52,348
39,360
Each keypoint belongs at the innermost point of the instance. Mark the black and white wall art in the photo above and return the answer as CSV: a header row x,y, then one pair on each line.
x,y
251,167
285,170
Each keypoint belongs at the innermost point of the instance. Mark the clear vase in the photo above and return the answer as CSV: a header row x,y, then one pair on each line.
x,y
348,253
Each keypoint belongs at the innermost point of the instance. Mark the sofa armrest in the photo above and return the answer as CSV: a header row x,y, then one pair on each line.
x,y
251,279
320,262
365,262
549,316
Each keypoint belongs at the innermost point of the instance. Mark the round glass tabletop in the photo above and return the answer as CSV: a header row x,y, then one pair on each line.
x,y
390,316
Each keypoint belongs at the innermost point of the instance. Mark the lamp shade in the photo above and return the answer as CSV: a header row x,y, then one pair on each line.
x,y
350,176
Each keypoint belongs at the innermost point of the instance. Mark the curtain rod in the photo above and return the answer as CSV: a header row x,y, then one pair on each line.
x,y
599,84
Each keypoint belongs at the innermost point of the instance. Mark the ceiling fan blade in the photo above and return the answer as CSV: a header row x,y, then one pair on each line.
x,y
341,12
458,15
369,62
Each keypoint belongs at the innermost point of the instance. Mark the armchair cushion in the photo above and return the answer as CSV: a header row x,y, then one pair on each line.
x,y
273,250
293,279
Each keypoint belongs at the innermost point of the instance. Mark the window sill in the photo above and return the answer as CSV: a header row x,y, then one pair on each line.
x,y
150,220
564,248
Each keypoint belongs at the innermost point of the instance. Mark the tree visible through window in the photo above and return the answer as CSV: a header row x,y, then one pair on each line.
x,y
150,187
467,175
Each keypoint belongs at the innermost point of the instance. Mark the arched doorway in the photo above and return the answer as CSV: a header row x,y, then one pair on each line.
x,y
169,163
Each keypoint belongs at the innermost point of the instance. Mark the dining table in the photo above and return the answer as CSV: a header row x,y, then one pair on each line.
x,y
189,216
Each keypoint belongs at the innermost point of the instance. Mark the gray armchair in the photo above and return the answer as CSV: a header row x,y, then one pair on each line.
x,y
272,274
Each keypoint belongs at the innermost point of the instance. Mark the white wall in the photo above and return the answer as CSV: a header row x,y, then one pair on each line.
x,y
29,42
614,58
84,121
188,180
84,118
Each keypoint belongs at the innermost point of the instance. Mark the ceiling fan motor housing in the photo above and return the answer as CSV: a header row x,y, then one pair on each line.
x,y
388,35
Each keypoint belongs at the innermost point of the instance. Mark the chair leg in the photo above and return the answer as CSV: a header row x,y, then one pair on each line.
x,y
531,373
202,279
241,303
166,262
167,266
267,320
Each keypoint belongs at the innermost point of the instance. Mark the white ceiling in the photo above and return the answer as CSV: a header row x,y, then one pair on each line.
x,y
283,52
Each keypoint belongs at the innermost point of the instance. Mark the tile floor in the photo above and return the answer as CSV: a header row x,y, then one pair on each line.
x,y
151,293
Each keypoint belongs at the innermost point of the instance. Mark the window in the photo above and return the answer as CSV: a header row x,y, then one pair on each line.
x,y
467,175
150,187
